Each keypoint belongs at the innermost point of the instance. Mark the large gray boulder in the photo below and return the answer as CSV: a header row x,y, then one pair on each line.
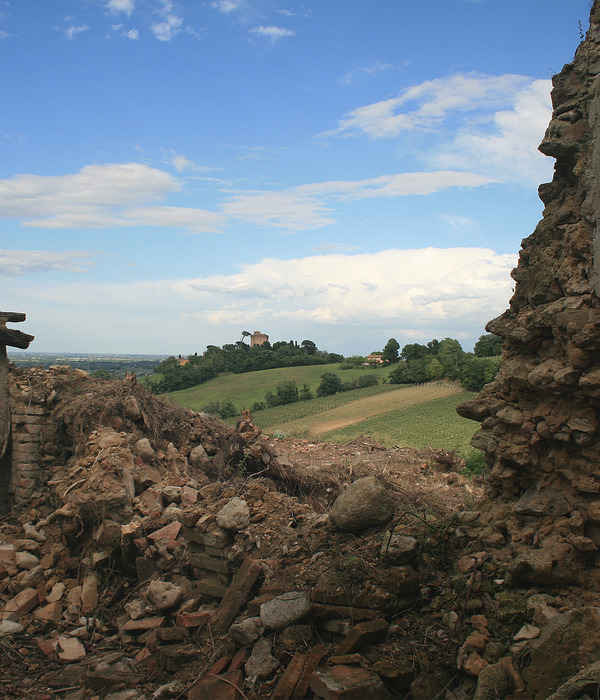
x,y
365,503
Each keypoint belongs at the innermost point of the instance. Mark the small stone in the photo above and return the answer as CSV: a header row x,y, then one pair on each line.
x,y
26,560
144,450
527,632
235,515
9,628
398,549
365,503
172,494
164,595
198,457
69,649
285,609
136,609
247,631
261,663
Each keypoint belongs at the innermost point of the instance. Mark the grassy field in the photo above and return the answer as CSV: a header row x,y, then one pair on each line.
x,y
434,423
411,416
244,389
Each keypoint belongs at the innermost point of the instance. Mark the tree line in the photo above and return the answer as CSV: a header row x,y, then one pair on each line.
x,y
238,358
416,364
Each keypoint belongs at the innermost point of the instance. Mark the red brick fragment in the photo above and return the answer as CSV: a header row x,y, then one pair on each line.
x,y
223,687
347,683
146,623
361,635
193,619
236,595
20,605
239,660
168,533
314,659
288,682
220,665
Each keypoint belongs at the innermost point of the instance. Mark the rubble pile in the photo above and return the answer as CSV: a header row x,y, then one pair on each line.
x,y
162,552
204,560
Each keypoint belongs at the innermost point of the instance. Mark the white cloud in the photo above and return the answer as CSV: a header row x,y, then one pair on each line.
x,y
132,34
116,6
99,196
491,124
181,163
72,31
417,293
227,6
21,262
506,145
166,30
274,33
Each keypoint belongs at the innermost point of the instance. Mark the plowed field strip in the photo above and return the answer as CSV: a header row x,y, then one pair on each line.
x,y
357,411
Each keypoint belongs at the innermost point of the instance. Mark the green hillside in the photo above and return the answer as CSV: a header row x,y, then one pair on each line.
x,y
412,416
243,390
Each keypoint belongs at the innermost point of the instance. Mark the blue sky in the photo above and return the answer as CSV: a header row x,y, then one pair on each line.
x,y
172,173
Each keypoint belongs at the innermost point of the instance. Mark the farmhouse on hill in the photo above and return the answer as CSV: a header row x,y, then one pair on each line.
x,y
375,358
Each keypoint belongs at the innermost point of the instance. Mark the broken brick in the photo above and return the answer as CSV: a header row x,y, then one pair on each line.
x,y
289,679
193,619
236,595
21,604
361,635
314,659
146,623
224,687
347,683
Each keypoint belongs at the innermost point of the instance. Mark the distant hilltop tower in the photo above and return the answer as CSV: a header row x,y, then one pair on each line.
x,y
258,338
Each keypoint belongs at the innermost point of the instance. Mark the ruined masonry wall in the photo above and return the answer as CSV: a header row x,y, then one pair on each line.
x,y
28,420
540,417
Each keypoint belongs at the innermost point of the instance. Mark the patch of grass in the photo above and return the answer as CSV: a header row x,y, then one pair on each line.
x,y
475,464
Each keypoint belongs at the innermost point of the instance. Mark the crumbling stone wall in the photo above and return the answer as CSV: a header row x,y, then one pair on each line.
x,y
539,418
32,396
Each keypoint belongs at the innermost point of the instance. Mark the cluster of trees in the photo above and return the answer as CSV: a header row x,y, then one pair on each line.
x,y
237,357
422,363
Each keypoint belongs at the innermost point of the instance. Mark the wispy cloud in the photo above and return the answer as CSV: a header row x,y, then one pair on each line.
x,y
310,206
427,105
372,69
273,33
21,262
459,223
73,30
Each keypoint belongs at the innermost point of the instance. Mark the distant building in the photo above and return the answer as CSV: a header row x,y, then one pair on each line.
x,y
258,338
182,361
375,358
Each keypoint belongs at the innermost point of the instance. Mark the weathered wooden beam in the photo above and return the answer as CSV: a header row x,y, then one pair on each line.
x,y
16,339
11,317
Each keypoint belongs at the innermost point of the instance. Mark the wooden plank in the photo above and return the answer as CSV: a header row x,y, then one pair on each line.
x,y
16,339
11,317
